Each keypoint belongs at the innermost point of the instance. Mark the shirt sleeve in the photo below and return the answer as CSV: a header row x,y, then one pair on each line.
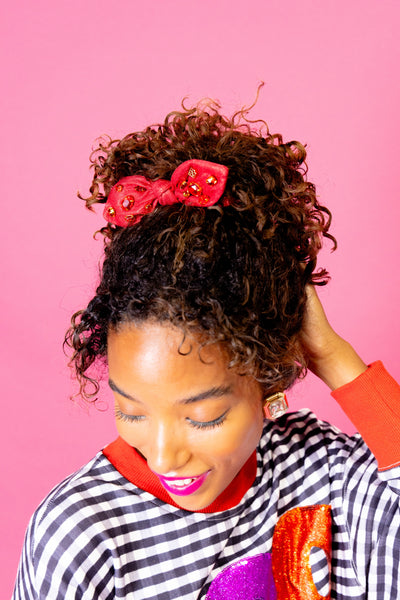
x,y
64,559
25,581
372,403
67,553
371,500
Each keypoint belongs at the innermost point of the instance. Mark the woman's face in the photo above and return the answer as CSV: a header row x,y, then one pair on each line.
x,y
194,421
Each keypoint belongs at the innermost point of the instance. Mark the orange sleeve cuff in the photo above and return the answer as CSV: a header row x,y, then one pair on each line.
x,y
372,403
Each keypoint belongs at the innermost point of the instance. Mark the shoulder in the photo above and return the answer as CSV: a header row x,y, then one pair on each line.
x,y
80,485
77,503
69,526
302,435
300,426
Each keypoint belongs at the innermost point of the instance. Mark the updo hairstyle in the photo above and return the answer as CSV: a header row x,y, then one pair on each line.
x,y
233,274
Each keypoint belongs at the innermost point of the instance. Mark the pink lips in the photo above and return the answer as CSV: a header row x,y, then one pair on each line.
x,y
183,486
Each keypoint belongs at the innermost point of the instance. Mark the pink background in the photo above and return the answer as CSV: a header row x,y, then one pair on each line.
x,y
74,70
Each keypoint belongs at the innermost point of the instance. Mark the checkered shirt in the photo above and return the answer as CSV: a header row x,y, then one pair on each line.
x,y
98,537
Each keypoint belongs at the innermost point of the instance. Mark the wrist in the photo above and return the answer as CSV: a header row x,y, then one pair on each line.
x,y
339,365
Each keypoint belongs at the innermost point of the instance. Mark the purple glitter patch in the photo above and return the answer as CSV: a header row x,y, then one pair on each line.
x,y
247,579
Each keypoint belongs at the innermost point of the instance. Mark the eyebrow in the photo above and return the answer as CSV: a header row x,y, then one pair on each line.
x,y
214,392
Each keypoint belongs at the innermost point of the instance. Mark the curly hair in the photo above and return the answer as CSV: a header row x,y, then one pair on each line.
x,y
233,274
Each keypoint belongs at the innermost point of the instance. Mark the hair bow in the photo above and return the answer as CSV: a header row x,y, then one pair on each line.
x,y
194,183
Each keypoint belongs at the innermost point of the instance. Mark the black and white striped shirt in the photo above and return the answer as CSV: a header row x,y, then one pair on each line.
x,y
98,537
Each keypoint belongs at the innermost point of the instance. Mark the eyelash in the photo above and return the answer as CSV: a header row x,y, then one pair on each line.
x,y
208,424
127,418
196,424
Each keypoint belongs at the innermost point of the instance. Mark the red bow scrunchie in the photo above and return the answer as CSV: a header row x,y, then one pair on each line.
x,y
194,183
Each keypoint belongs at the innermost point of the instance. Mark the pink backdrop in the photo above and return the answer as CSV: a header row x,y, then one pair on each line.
x,y
74,70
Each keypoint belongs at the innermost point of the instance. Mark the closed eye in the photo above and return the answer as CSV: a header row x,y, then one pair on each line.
x,y
208,424
196,424
127,418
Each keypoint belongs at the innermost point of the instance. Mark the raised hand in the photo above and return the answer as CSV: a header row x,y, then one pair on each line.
x,y
330,357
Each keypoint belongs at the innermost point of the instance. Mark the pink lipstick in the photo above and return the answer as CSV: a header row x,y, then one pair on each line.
x,y
182,486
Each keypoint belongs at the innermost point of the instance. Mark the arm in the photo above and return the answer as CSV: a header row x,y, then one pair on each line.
x,y
369,395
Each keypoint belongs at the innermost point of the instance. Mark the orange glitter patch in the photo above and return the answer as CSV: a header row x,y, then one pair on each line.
x,y
296,532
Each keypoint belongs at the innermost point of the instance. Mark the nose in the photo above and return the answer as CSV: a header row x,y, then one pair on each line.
x,y
167,450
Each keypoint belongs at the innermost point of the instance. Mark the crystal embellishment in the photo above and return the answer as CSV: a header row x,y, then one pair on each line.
x,y
275,406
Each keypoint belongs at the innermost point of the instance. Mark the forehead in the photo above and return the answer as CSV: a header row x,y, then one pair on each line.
x,y
162,354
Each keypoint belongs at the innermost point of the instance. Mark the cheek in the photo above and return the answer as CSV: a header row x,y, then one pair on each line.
x,y
129,432
232,442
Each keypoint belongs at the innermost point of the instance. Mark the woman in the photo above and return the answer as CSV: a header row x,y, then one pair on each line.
x,y
205,313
